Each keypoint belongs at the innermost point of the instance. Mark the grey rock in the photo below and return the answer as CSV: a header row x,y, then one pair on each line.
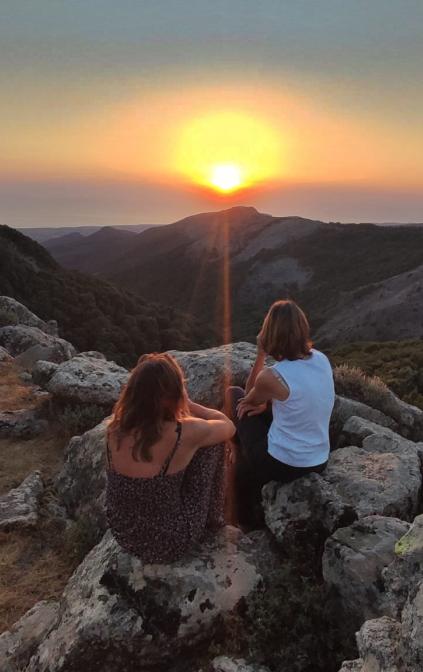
x,y
356,429
130,616
386,483
403,575
84,380
412,630
357,482
306,503
353,562
18,339
42,372
225,664
24,424
345,408
209,372
4,355
25,377
20,314
82,481
48,353
19,507
19,643
352,666
379,645
92,354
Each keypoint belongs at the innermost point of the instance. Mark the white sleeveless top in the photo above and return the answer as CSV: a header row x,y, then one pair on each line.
x,y
299,433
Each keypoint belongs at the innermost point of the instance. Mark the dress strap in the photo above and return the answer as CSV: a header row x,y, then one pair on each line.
x,y
168,460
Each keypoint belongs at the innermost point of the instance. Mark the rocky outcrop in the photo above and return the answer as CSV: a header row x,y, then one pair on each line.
x,y
356,429
19,507
130,616
345,408
208,372
354,560
42,372
18,644
23,424
82,481
12,312
87,380
18,339
352,383
383,477
391,643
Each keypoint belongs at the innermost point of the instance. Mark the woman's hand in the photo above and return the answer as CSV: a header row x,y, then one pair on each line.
x,y
246,407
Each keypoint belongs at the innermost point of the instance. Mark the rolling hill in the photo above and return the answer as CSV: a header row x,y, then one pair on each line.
x,y
91,312
356,281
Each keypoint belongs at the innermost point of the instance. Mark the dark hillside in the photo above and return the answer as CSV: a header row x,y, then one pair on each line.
x,y
92,313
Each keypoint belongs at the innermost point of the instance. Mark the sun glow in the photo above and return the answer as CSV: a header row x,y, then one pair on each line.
x,y
227,151
226,177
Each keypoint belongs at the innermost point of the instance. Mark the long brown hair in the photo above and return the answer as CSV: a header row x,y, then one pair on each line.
x,y
155,393
285,333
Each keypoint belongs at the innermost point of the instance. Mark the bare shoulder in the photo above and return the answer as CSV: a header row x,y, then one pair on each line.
x,y
270,380
193,427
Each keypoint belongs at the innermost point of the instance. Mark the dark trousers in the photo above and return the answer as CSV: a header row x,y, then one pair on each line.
x,y
254,466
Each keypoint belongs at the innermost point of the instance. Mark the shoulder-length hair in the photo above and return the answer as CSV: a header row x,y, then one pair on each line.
x,y
154,394
285,333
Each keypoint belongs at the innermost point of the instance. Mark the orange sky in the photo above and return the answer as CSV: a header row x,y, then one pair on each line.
x,y
317,111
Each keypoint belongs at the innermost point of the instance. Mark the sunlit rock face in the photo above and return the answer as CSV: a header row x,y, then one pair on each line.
x,y
87,380
81,484
18,339
12,313
130,616
209,371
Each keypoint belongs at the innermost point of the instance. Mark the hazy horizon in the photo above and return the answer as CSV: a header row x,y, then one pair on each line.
x,y
117,113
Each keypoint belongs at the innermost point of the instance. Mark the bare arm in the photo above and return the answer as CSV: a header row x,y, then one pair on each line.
x,y
258,366
199,411
266,387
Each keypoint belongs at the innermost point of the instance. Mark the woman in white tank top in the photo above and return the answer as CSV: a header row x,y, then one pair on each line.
x,y
283,415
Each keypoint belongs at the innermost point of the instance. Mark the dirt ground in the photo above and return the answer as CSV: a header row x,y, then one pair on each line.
x,y
34,564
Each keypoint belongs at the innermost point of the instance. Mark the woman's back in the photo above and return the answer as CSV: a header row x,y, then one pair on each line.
x,y
299,434
151,516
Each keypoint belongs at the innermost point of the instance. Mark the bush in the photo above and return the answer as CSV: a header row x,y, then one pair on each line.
x,y
352,382
79,419
80,537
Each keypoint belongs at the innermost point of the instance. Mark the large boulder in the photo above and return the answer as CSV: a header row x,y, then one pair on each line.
x,y
18,339
356,429
18,644
386,483
19,507
383,477
42,372
12,312
87,380
209,372
81,483
345,408
117,614
353,562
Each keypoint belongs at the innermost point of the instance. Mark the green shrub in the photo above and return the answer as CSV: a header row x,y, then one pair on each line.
x,y
79,538
79,419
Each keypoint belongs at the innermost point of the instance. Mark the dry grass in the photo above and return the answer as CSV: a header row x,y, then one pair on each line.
x,y
14,394
34,564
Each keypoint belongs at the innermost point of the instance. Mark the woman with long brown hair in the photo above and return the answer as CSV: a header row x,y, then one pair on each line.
x,y
283,415
165,476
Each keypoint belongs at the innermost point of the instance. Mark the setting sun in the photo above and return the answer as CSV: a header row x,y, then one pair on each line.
x,y
227,151
227,177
